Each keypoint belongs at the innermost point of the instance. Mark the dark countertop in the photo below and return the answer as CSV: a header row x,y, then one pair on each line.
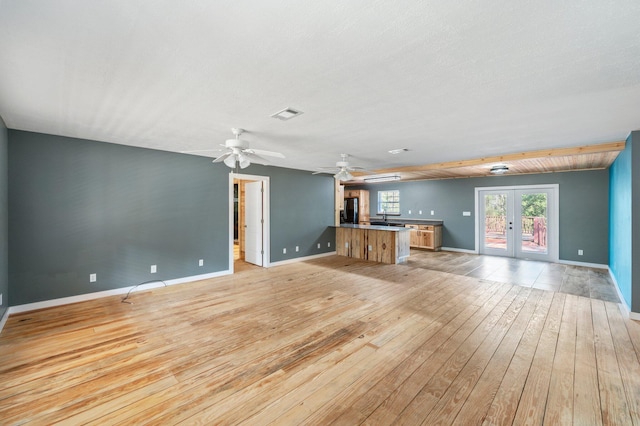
x,y
374,227
408,221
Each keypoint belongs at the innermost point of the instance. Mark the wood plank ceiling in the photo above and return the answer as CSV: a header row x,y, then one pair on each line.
x,y
591,157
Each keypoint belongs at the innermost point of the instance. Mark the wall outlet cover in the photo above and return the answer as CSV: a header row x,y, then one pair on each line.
x,y
93,278
466,213
201,262
154,269
284,251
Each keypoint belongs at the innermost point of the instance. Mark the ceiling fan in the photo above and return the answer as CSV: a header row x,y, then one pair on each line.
x,y
342,168
238,151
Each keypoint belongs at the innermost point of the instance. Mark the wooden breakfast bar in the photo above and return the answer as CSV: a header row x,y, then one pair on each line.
x,y
385,244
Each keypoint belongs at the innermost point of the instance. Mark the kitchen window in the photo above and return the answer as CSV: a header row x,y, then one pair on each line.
x,y
389,202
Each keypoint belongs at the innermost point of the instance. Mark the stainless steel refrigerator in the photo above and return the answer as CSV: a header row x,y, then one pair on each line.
x,y
350,212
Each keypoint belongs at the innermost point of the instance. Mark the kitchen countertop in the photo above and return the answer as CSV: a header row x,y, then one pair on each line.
x,y
395,219
373,227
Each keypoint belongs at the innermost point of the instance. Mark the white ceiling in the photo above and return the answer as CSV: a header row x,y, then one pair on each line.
x,y
447,80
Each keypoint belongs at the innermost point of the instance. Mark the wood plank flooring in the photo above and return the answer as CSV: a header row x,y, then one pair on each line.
x,y
329,341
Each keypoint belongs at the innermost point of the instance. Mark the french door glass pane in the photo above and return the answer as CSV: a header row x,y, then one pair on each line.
x,y
534,219
495,223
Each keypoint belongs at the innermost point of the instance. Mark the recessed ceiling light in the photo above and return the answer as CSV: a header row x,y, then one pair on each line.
x,y
398,151
286,114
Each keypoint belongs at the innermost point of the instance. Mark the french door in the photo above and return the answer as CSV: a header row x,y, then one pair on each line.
x,y
518,222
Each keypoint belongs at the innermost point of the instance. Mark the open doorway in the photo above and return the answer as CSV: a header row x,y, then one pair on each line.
x,y
249,221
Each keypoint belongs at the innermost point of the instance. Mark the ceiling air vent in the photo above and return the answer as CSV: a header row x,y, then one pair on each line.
x,y
286,114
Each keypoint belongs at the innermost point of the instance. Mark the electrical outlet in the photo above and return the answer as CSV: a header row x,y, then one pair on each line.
x,y
466,213
329,244
370,248
409,211
580,252
284,251
93,278
297,248
318,245
0,299
419,211
201,262
432,212
154,269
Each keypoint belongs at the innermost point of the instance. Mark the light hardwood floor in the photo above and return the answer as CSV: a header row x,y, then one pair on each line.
x,y
329,341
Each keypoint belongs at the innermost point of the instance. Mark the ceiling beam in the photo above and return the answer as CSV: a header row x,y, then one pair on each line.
x,y
557,152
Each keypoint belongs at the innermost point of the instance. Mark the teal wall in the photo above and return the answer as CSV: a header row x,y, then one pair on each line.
x,y
620,227
583,211
78,207
4,214
624,205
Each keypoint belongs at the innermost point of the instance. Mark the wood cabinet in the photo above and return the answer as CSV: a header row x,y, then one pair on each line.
x,y
377,245
363,203
425,236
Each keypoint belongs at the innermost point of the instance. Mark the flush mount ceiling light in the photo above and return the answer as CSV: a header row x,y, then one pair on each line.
x,y
398,151
388,178
499,169
286,114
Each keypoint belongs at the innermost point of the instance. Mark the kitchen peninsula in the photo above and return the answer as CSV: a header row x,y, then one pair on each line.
x,y
386,244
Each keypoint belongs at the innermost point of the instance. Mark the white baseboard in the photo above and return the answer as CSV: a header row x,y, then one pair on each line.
x,y
4,319
627,309
117,291
459,250
301,259
585,264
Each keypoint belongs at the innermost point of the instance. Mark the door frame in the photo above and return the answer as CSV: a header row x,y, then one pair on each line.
x,y
554,209
266,260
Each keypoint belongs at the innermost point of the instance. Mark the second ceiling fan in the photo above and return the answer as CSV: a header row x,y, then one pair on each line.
x,y
342,167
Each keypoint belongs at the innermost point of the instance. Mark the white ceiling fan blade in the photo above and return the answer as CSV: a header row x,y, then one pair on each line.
x,y
222,157
193,151
267,153
256,158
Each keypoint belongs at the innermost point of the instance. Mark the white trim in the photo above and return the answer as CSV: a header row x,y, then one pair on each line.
x,y
459,250
623,303
114,292
4,319
301,259
266,259
586,264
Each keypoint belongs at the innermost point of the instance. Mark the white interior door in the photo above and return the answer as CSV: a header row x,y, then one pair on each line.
x,y
519,222
253,221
